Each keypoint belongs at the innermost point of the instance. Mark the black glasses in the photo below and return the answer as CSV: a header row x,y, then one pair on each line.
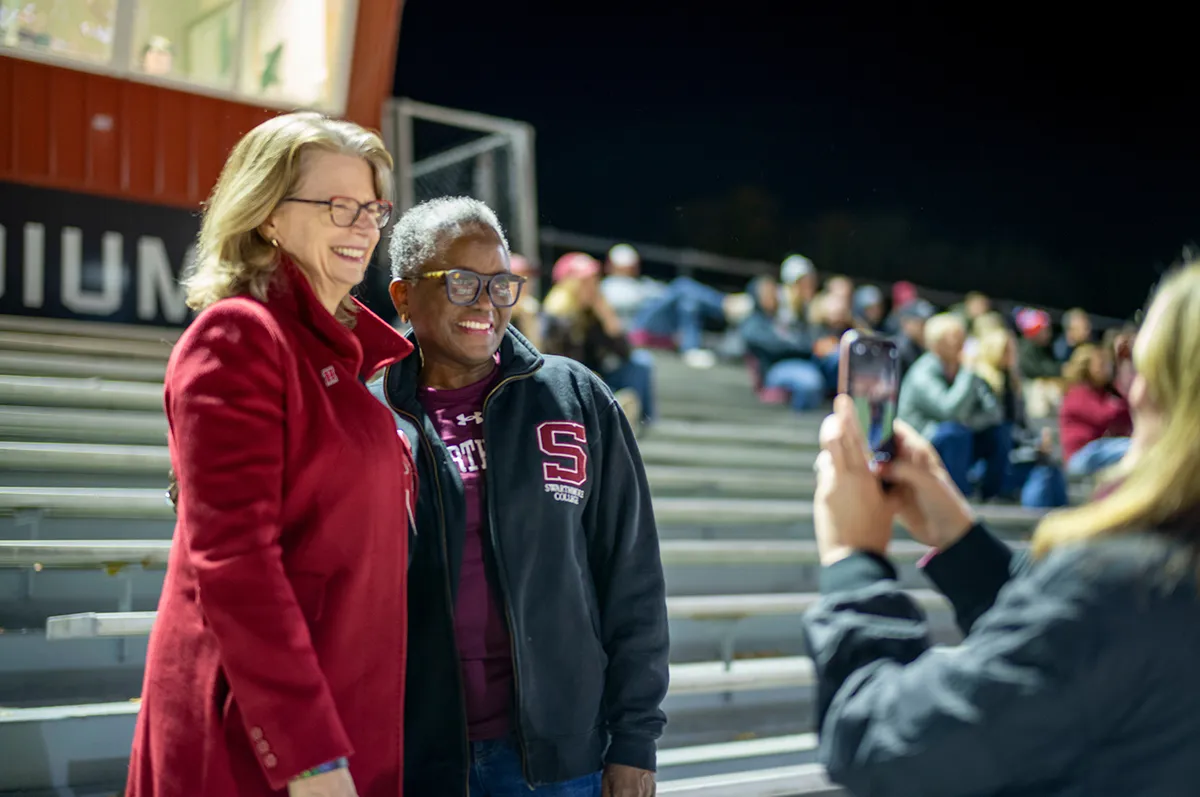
x,y
464,287
345,211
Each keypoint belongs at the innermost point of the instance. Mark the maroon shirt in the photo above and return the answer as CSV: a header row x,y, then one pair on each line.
x,y
479,625
1089,413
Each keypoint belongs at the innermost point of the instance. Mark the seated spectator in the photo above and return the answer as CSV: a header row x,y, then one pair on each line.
x,y
1034,478
779,338
1077,330
527,312
910,321
831,318
983,324
1094,420
973,305
1040,371
870,312
580,324
903,294
624,287
670,315
836,285
955,410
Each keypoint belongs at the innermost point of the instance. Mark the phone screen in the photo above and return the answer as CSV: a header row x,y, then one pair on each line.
x,y
873,382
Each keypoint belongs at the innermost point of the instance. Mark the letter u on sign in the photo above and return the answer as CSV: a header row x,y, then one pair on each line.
x,y
565,445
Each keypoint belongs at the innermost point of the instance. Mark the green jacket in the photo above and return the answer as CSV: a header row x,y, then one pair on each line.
x,y
927,399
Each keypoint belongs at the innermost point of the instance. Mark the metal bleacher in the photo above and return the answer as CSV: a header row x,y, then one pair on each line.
x,y
85,533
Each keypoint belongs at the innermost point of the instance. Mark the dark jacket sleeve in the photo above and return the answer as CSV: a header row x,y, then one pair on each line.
x,y
972,572
627,571
1008,708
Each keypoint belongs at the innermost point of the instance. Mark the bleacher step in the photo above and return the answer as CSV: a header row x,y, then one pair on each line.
x,y
100,394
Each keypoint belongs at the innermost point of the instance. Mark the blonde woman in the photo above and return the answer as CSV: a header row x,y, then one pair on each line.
x,y
580,324
1032,474
277,658
1078,672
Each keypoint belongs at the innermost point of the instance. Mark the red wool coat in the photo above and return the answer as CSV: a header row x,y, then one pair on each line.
x,y
280,638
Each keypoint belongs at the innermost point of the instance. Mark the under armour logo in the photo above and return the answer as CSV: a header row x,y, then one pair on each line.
x,y
329,376
463,420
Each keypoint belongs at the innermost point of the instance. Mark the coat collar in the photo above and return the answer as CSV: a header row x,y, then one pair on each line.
x,y
518,357
372,343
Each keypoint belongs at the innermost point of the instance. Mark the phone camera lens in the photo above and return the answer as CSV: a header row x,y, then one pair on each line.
x,y
859,348
893,354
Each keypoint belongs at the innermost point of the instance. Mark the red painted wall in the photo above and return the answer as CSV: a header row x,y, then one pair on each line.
x,y
77,131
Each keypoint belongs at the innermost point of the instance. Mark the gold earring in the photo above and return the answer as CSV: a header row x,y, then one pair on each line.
x,y
275,242
404,318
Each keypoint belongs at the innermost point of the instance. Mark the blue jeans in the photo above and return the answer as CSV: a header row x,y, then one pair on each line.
x,y
1097,455
637,374
829,370
496,772
1039,485
960,448
802,379
681,310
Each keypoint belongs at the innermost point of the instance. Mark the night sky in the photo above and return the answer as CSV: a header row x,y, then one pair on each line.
x,y
1033,156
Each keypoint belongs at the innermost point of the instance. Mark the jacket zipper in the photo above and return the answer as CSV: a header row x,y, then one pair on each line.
x,y
503,573
466,747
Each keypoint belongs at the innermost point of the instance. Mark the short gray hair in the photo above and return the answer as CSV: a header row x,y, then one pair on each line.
x,y
421,232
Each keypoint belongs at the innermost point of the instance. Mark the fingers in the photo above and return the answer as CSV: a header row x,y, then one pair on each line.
x,y
906,474
912,447
853,442
832,454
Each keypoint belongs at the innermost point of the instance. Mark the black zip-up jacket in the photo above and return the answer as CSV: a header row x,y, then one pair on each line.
x,y
1077,676
576,556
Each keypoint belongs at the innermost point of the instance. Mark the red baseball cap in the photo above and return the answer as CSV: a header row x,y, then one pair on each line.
x,y
903,292
575,264
1031,321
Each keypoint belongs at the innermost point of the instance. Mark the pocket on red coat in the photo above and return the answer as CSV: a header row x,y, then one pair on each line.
x,y
309,589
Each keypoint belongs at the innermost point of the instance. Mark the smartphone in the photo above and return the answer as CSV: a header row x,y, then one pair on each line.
x,y
869,372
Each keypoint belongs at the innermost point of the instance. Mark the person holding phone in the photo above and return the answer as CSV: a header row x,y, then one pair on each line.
x,y
1077,671
277,657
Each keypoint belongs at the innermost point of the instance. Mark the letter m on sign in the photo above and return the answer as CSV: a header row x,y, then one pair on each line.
x,y
565,445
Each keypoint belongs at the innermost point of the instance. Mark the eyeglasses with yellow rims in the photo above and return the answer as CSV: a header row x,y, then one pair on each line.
x,y
464,287
344,211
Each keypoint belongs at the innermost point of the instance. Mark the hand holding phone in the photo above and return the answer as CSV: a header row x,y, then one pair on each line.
x,y
869,372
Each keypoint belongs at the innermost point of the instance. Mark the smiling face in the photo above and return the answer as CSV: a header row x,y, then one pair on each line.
x,y
333,258
458,340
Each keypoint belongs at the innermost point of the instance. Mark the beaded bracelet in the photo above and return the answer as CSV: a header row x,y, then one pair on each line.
x,y
329,766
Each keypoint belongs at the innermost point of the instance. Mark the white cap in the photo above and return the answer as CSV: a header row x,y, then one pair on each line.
x,y
623,256
795,268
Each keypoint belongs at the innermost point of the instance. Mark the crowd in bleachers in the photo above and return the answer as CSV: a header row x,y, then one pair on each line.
x,y
1013,409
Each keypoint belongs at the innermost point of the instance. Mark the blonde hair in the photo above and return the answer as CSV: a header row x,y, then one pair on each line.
x,y
1166,479
233,257
1077,369
991,357
563,299
939,325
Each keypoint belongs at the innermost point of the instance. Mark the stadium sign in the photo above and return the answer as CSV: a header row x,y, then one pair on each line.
x,y
69,255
